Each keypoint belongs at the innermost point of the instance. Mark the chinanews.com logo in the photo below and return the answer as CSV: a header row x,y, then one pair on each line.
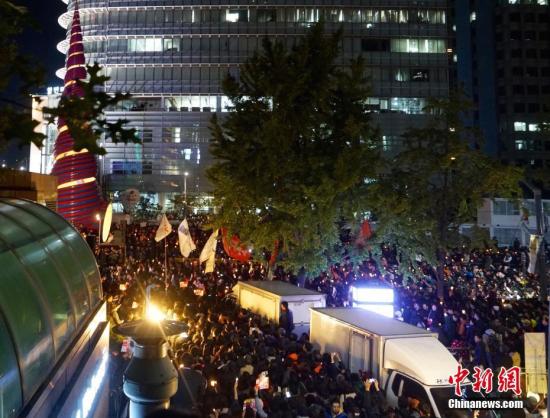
x,y
508,381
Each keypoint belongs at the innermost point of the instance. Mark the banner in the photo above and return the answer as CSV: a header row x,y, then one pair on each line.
x,y
364,234
164,229
534,244
535,362
208,253
233,247
186,242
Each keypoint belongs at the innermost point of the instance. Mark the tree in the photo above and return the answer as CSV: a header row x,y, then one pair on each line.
x,y
16,68
435,183
85,116
292,158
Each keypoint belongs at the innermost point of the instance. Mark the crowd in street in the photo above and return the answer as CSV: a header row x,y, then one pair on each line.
x,y
235,363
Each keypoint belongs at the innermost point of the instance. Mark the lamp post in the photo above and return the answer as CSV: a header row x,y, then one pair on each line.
x,y
98,219
150,379
185,186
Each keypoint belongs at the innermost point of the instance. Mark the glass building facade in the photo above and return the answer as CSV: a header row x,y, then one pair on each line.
x,y
49,288
172,56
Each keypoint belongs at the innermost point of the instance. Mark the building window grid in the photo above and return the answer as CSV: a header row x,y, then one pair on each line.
x,y
166,16
207,74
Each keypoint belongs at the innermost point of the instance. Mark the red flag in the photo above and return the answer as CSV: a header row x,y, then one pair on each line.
x,y
274,253
234,248
364,234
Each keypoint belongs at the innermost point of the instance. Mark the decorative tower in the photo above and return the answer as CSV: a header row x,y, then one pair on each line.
x,y
78,193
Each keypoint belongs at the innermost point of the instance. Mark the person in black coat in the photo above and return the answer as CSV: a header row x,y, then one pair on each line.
x,y
286,319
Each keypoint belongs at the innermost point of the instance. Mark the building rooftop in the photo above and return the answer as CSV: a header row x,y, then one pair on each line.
x,y
279,288
371,322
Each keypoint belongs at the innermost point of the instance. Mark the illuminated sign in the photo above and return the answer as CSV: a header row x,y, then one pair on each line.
x,y
90,392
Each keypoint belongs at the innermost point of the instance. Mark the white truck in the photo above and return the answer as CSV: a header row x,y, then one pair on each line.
x,y
407,361
265,297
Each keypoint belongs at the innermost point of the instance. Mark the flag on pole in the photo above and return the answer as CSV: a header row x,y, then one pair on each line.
x,y
164,229
534,244
208,253
186,242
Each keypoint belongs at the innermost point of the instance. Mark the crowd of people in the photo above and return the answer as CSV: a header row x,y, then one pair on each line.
x,y
235,363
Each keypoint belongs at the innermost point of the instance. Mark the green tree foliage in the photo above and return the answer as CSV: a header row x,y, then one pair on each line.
x,y
435,183
15,67
146,210
85,116
293,156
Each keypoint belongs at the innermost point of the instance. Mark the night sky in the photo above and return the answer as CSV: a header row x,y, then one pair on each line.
x,y
40,44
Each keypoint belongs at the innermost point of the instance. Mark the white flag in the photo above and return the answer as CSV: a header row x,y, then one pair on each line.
x,y
208,253
164,229
186,242
534,244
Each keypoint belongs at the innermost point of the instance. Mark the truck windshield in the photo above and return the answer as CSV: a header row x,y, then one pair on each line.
x,y
441,397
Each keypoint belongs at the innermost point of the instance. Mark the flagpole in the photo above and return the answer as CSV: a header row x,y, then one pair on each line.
x,y
165,262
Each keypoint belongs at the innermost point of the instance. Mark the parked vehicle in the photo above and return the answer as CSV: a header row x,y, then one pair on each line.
x,y
406,360
265,297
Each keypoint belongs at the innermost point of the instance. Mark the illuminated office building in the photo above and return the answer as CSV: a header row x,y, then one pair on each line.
x,y
172,55
504,66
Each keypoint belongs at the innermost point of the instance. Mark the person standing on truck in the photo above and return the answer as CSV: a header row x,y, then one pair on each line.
x,y
286,319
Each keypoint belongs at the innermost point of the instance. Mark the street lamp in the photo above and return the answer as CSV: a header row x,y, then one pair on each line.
x,y
150,379
185,185
98,219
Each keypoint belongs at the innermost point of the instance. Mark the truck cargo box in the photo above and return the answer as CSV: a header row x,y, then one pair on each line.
x,y
265,297
356,334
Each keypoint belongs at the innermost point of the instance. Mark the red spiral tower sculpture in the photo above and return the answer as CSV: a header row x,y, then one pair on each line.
x,y
78,198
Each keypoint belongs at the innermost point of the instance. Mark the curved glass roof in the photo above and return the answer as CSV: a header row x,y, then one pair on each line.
x,y
49,287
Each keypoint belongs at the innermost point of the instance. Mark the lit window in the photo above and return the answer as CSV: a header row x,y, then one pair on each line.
x,y
227,105
409,105
520,126
533,127
177,135
472,16
416,45
521,144
401,75
187,153
236,15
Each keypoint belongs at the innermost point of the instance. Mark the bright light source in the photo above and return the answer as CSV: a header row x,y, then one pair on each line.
x,y
384,310
372,294
22,168
374,299
231,16
186,174
153,313
98,217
